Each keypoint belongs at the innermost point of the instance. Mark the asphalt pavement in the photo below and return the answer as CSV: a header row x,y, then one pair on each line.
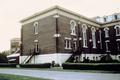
x,y
62,75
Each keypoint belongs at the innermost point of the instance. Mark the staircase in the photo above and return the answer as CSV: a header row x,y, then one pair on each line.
x,y
27,59
71,58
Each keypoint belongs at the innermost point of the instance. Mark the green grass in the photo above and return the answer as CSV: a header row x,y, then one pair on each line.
x,y
16,77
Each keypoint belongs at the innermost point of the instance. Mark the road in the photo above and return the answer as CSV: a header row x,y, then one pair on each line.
x,y
62,75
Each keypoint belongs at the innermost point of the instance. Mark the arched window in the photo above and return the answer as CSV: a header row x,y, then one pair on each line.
x,y
117,28
93,37
106,29
35,27
107,44
100,35
72,27
84,28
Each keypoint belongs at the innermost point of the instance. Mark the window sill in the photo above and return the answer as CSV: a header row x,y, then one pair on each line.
x,y
85,47
73,34
68,48
35,33
118,35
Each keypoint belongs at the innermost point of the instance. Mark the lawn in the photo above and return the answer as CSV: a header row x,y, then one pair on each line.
x,y
16,77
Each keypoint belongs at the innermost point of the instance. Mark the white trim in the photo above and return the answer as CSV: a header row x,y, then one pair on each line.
x,y
117,39
35,40
67,44
61,11
84,34
74,39
106,29
13,55
73,27
107,41
36,25
106,44
56,16
67,38
100,39
117,33
40,17
80,38
93,36
57,35
59,58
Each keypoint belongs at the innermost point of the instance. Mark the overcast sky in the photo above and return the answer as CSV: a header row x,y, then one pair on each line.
x,y
12,11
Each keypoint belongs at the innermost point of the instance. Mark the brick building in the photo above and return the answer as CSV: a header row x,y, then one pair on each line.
x,y
56,34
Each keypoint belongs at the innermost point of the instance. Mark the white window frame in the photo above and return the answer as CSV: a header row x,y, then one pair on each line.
x,y
106,29
73,27
100,35
84,30
93,30
67,42
35,28
117,27
106,44
36,46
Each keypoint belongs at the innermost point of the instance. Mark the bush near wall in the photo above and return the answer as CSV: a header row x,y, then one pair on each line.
x,y
45,65
92,66
7,65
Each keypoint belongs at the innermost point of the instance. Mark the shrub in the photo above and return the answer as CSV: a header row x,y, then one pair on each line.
x,y
92,66
7,65
45,65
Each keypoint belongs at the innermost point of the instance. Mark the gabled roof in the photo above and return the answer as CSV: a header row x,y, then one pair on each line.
x,y
57,8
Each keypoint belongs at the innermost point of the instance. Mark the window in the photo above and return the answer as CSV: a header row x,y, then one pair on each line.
x,y
115,17
96,58
35,27
36,46
74,45
118,46
119,57
106,32
93,37
84,28
105,19
107,43
67,43
72,27
100,39
93,58
117,28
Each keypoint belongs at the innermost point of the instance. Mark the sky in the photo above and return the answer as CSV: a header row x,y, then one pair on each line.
x,y
12,11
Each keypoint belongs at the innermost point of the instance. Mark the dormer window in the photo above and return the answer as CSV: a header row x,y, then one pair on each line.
x,y
72,27
106,32
93,37
84,30
35,27
105,19
117,28
115,17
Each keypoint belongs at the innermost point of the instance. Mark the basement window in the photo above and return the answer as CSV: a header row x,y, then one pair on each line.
x,y
68,43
